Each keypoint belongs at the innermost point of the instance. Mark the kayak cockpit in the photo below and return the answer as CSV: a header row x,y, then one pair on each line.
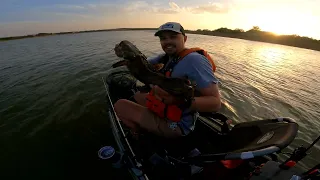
x,y
213,139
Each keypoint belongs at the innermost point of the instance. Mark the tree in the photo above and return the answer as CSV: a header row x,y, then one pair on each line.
x,y
238,30
256,28
223,30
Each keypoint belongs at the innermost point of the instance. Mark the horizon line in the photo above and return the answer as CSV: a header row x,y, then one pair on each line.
x,y
113,29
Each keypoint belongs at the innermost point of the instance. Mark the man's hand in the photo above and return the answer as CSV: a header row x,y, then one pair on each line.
x,y
164,96
158,66
209,101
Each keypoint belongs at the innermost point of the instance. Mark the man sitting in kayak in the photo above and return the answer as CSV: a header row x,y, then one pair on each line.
x,y
173,120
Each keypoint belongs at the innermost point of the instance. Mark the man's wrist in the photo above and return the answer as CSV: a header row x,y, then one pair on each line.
x,y
190,103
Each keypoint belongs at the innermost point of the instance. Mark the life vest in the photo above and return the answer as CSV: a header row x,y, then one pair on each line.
x,y
173,112
183,54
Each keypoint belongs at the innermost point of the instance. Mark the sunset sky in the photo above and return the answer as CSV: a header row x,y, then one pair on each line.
x,y
300,17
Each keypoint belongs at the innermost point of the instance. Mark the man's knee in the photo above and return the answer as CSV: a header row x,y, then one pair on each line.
x,y
128,110
120,106
140,98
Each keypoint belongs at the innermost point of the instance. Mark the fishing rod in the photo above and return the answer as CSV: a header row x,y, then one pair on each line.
x,y
116,117
298,154
112,112
313,172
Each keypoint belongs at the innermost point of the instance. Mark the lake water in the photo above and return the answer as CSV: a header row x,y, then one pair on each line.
x,y
52,108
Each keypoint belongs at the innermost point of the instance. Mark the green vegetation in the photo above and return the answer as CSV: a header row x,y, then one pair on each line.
x,y
254,34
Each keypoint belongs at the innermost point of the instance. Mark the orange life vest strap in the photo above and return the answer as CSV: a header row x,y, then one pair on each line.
x,y
171,112
174,113
168,74
185,52
155,105
231,164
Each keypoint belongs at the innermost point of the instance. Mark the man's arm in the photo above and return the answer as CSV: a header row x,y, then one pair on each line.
x,y
199,70
209,101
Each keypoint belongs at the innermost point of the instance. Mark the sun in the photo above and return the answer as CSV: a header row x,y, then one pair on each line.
x,y
278,23
284,22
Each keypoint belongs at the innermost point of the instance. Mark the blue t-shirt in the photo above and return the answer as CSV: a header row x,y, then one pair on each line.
x,y
197,69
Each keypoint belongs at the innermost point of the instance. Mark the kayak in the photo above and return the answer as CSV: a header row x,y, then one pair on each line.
x,y
214,150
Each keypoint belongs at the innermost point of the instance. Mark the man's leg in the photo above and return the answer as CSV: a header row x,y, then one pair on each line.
x,y
158,126
129,113
140,98
135,116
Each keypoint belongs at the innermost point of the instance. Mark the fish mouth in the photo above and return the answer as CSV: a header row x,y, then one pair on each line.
x,y
120,63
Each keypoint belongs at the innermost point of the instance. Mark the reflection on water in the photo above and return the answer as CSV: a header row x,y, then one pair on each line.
x,y
52,109
272,57
261,80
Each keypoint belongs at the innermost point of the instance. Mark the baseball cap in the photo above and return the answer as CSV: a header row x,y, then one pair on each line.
x,y
170,26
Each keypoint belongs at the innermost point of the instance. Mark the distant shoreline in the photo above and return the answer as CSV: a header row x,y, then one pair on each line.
x,y
254,34
71,32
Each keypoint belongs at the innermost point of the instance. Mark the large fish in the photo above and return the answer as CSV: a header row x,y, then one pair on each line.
x,y
141,69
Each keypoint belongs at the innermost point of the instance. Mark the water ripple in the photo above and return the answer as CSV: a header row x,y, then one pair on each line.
x,y
50,83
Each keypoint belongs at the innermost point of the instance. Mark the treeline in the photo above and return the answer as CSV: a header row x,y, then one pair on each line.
x,y
255,34
71,32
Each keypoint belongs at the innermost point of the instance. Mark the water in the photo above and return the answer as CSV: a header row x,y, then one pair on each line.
x,y
52,109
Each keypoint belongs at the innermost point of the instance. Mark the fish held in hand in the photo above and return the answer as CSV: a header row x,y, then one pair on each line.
x,y
142,70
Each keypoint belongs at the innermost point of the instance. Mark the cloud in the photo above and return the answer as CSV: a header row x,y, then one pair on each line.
x,y
93,6
210,8
72,15
70,7
174,8
86,10
165,11
61,12
142,6
136,6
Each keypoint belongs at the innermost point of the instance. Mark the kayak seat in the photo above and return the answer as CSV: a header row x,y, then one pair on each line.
x,y
244,141
257,135
248,140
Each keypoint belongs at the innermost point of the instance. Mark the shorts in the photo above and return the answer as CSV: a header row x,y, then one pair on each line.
x,y
154,124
